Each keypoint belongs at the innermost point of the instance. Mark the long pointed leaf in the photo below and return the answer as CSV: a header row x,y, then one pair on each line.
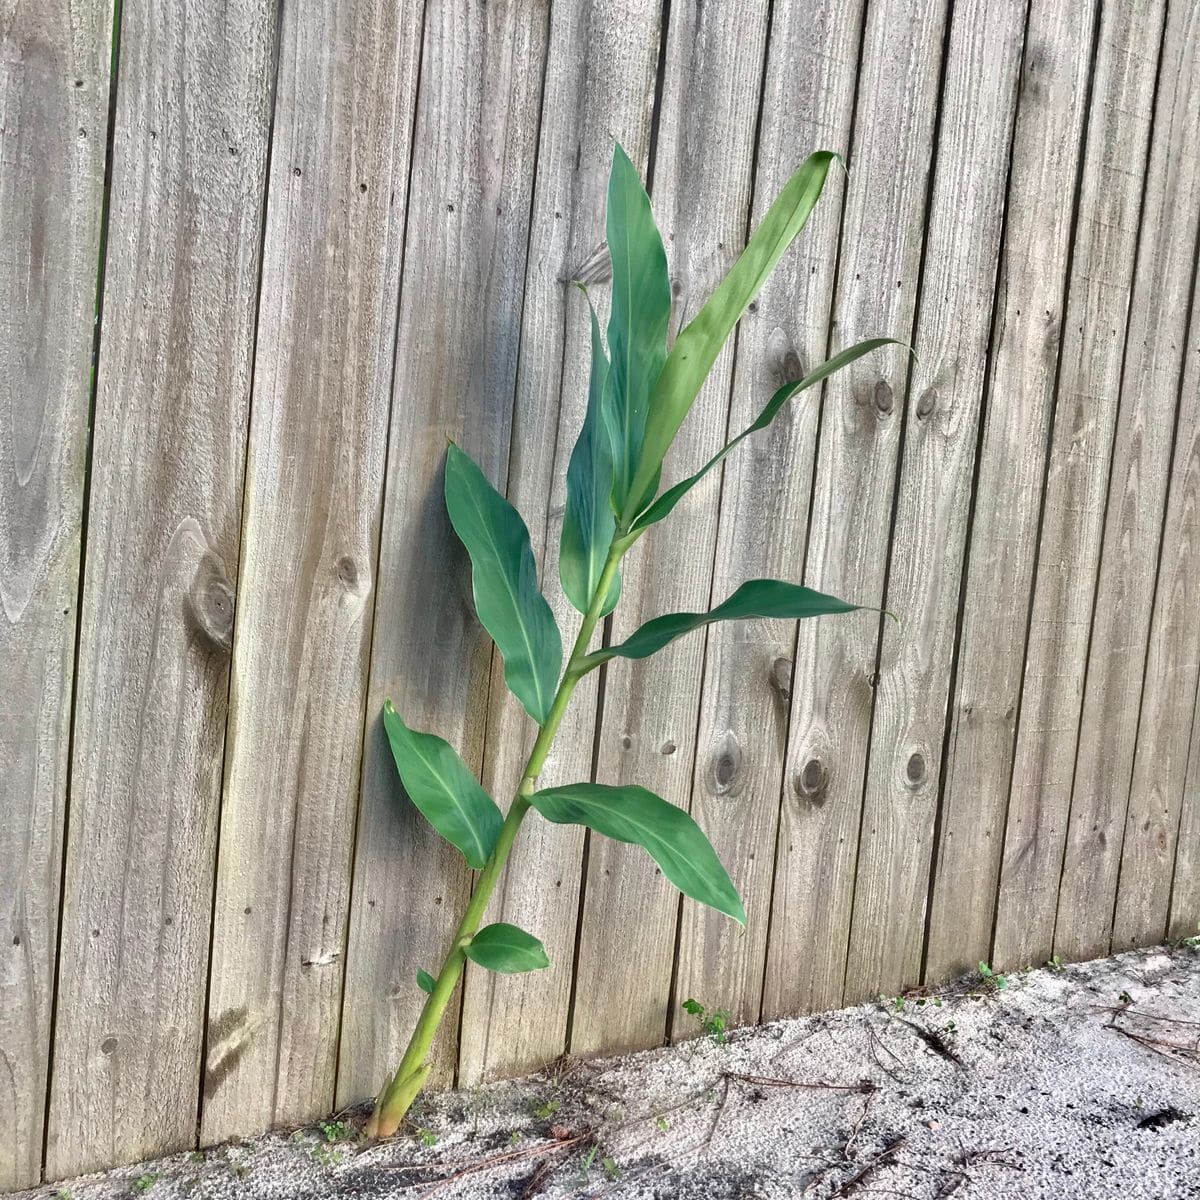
x,y
755,598
697,347
641,310
667,833
671,497
448,795
588,522
504,580
507,949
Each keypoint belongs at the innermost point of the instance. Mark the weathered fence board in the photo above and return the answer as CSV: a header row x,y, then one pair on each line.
x,y
463,276
767,483
342,233
322,383
54,93
599,87
1154,351
1073,510
1051,106
188,179
953,323
883,230
647,726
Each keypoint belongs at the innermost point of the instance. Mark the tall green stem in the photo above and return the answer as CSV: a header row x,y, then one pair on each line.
x,y
396,1098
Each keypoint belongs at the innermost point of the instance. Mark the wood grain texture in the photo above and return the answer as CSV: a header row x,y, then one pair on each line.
x,y
314,484
833,685
463,281
1081,450
701,191
954,322
1150,380
1184,919
1027,332
807,103
189,160
599,87
1160,788
54,92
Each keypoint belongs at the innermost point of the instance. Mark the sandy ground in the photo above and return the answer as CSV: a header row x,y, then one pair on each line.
x,y
1080,1082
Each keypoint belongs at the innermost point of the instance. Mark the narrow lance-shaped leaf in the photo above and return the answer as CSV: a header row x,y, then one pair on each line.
x,y
507,949
755,598
504,581
697,347
671,497
425,981
638,319
667,833
588,522
448,795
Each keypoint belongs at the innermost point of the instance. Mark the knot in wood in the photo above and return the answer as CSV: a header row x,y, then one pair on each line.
x,y
914,770
347,572
725,774
780,677
883,398
210,604
811,780
926,403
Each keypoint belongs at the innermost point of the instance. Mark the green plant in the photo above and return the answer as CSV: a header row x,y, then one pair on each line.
x,y
713,1024
334,1131
546,1109
143,1183
639,395
998,981
1054,963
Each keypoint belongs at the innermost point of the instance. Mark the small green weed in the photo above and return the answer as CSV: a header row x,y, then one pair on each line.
x,y
143,1183
662,1123
427,1136
546,1109
324,1156
334,1131
712,1023
998,981
1054,963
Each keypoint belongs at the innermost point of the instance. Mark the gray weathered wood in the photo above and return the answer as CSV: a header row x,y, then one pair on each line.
x,y
807,104
1184,919
954,322
1026,334
599,87
456,361
701,191
832,689
189,160
1157,792
1081,450
322,381
54,89
1137,493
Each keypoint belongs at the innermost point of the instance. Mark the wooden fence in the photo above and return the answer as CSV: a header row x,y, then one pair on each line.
x,y
259,259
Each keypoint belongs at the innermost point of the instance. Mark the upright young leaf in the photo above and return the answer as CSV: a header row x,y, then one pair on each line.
x,y
588,522
504,580
755,598
697,347
637,325
439,784
505,948
666,833
671,497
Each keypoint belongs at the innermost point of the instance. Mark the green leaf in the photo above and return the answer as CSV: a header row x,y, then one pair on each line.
x,y
667,833
504,580
439,784
588,522
425,981
507,949
697,347
755,598
638,319
667,501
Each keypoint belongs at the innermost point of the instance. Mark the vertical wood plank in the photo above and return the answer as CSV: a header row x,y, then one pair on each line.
x,y
1165,731
701,190
807,105
954,322
463,279
322,382
1027,331
189,159
1133,524
599,88
1081,451
1184,920
54,94
832,688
